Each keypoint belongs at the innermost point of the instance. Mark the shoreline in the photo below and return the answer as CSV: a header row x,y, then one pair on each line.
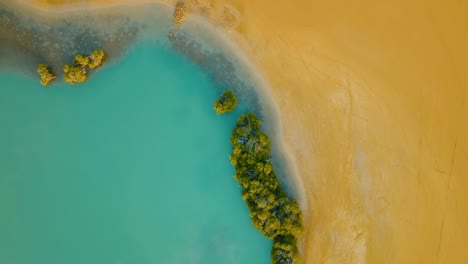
x,y
271,115
232,51
372,99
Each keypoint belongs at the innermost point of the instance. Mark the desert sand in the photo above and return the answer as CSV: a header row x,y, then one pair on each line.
x,y
373,98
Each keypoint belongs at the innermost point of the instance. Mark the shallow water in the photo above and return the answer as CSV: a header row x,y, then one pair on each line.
x,y
130,167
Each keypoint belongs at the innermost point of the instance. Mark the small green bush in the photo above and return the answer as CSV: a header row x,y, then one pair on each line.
x,y
45,73
227,102
74,74
81,60
96,58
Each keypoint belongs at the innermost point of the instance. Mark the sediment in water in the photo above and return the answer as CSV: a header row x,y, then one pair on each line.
x,y
29,36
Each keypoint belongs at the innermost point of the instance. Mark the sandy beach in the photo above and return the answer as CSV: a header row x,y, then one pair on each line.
x,y
373,98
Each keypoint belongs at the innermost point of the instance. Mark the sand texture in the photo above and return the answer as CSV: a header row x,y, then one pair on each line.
x,y
373,97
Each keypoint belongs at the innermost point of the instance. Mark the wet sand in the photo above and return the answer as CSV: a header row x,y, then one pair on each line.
x,y
373,98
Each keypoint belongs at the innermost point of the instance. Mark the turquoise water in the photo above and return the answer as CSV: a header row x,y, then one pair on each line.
x,y
130,167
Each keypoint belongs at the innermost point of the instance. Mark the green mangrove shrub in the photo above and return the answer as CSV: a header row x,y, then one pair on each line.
x,y
74,74
81,60
227,102
96,58
45,74
272,211
77,73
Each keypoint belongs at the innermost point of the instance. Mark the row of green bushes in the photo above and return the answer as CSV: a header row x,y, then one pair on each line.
x,y
76,73
273,212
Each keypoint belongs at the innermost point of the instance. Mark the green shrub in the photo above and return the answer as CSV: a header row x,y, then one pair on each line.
x,y
45,73
96,58
285,250
77,72
81,60
74,74
226,103
275,214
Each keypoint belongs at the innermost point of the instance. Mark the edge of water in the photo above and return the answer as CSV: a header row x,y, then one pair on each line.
x,y
272,119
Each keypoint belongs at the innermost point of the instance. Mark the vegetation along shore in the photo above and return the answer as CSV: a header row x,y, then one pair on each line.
x,y
76,73
272,211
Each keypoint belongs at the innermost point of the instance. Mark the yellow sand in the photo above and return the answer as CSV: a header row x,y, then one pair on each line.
x,y
374,105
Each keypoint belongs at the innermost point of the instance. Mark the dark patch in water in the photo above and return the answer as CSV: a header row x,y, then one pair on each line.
x,y
24,43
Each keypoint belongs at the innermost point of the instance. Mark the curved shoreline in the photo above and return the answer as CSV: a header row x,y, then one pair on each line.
x,y
373,96
230,50
105,151
233,48
271,114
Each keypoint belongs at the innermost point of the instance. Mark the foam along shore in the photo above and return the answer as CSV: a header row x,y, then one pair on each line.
x,y
373,105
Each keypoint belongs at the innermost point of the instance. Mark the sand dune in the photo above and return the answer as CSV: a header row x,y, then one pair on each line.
x,y
373,99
